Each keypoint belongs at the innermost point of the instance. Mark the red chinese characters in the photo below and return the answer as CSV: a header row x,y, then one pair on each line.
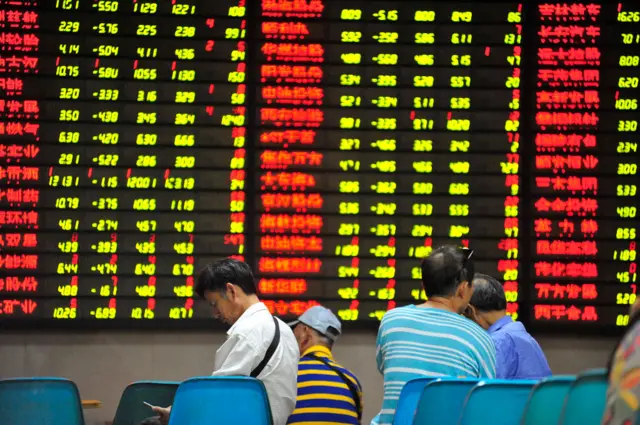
x,y
565,185
19,147
290,227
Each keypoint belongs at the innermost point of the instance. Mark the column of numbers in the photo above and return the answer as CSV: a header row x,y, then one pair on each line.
x,y
508,266
59,177
384,183
626,100
458,119
350,145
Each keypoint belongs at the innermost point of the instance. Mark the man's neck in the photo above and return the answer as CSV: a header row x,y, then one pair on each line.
x,y
493,316
317,345
439,303
248,301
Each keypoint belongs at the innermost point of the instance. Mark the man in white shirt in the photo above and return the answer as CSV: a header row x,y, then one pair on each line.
x,y
229,287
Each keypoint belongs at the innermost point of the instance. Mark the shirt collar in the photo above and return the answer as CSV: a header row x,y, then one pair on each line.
x,y
500,324
318,349
255,308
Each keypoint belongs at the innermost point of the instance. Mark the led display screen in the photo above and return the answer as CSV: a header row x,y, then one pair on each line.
x,y
330,144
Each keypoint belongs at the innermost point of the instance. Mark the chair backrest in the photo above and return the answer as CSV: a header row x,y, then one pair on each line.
x,y
408,401
132,410
442,400
216,400
545,403
41,401
584,405
496,402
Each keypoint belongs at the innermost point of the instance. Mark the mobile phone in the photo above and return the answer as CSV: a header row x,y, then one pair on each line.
x,y
149,404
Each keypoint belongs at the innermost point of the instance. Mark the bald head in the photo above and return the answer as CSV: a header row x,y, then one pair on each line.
x,y
441,271
488,294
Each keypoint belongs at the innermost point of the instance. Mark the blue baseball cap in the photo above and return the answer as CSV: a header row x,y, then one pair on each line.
x,y
322,320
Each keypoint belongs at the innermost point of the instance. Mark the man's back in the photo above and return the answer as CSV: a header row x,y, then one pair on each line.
x,y
518,355
323,397
416,342
246,346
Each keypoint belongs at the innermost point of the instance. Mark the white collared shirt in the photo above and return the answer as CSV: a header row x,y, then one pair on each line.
x,y
246,345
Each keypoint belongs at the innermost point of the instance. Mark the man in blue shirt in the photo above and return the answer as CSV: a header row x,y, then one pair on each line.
x,y
518,355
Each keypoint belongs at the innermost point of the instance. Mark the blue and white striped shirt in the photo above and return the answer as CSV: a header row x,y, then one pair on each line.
x,y
415,342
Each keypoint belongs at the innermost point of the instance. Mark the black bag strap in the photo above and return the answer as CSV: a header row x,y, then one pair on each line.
x,y
352,387
272,349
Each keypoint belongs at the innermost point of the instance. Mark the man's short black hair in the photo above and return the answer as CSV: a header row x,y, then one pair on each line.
x,y
215,276
442,271
488,294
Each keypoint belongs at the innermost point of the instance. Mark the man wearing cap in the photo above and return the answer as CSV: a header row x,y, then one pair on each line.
x,y
327,392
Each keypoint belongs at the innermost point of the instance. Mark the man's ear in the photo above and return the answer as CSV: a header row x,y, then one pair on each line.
x,y
230,291
461,288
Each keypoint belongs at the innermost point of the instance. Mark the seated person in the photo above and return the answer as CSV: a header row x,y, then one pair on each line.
x,y
254,346
327,392
433,339
518,355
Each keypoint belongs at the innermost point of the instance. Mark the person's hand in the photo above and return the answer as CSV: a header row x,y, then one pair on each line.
x,y
163,412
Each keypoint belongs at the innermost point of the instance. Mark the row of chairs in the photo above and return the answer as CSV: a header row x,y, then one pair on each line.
x,y
559,400
202,400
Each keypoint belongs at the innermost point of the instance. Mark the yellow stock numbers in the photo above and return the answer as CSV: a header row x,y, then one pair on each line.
x,y
424,16
386,15
349,187
386,37
626,104
64,313
349,229
347,250
351,14
626,212
422,145
422,209
459,189
387,188
420,188
421,230
69,93
622,320
460,167
385,145
351,58
459,210
627,169
350,36
349,208
625,233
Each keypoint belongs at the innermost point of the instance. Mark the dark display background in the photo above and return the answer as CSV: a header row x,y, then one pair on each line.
x,y
331,144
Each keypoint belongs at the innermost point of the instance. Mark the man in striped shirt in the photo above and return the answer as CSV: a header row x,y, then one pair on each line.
x,y
327,392
433,339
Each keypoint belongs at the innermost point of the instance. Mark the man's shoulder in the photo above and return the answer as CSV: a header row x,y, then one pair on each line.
x,y
407,311
260,325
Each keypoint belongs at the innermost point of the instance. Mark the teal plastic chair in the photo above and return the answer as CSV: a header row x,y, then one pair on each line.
x,y
408,401
497,402
584,405
131,409
545,404
40,401
442,400
217,400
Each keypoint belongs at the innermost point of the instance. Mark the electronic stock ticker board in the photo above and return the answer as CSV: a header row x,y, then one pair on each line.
x,y
330,144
